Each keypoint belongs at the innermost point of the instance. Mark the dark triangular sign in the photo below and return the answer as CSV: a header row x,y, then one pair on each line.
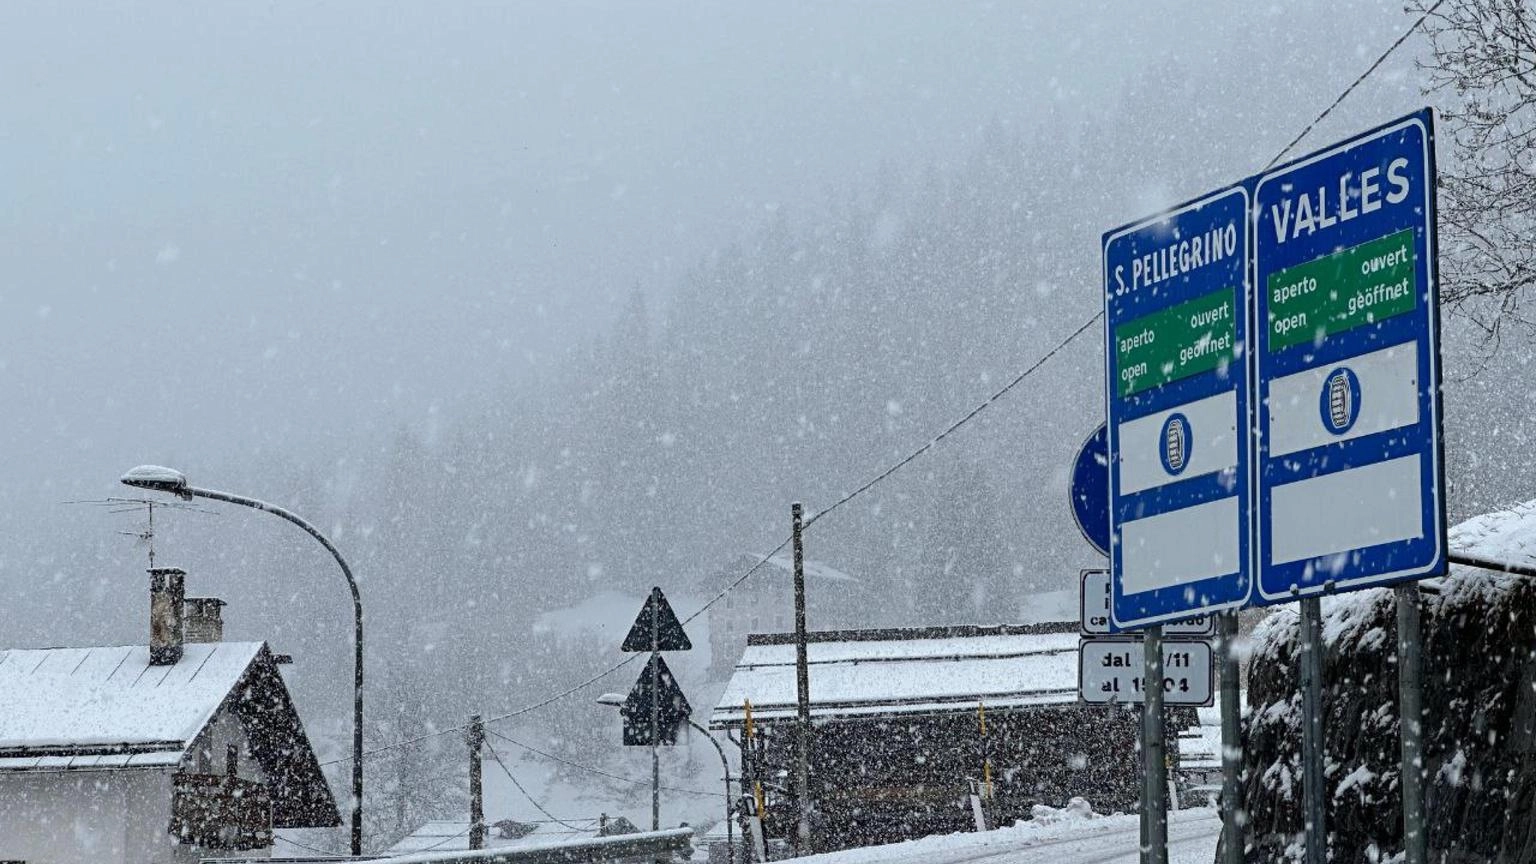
x,y
669,631
672,708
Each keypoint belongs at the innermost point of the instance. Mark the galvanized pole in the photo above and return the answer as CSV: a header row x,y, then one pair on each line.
x,y
1312,781
1144,836
803,695
1411,725
1231,743
655,709
475,737
1155,793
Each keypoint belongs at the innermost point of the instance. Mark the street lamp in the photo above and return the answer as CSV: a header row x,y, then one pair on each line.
x,y
158,479
616,700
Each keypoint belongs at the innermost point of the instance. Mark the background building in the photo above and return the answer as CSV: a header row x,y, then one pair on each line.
x,y
766,603
898,729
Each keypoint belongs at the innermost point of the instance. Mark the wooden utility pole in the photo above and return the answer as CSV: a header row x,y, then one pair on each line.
x,y
475,737
803,696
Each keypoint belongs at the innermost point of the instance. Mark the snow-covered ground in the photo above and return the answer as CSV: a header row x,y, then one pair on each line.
x,y
1053,837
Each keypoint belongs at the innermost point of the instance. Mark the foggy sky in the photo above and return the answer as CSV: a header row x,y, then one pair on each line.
x,y
239,234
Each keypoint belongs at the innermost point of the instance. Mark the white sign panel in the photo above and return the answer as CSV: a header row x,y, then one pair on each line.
x,y
1094,601
1110,670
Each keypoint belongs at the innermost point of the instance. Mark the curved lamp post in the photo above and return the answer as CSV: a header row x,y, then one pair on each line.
x,y
616,700
158,479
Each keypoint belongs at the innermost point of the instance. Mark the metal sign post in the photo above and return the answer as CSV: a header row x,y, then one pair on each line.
x,y
1272,389
1411,724
1349,462
1312,783
1154,794
1231,744
655,706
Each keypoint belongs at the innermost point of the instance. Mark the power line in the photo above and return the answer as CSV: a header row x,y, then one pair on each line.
x,y
449,839
590,769
568,691
738,580
733,584
909,458
384,748
531,799
1351,88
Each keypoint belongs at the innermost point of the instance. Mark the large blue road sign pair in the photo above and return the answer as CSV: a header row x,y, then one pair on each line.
x,y
1272,379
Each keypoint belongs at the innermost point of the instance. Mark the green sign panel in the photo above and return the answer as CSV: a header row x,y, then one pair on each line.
x,y
1195,336
1360,285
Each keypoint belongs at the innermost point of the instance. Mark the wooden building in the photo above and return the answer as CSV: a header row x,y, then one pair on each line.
x,y
904,718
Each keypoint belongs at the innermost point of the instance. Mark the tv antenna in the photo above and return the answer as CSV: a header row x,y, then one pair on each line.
x,y
145,535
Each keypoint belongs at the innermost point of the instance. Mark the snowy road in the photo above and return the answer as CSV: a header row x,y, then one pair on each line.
x,y
1192,836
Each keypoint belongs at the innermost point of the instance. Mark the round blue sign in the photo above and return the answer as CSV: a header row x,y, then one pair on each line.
x,y
1090,489
1339,403
1175,444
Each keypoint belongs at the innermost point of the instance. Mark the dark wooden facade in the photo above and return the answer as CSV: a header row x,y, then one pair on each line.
x,y
899,772
218,811
882,779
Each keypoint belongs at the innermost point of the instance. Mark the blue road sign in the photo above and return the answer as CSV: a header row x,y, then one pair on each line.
x,y
1090,490
1176,301
1347,366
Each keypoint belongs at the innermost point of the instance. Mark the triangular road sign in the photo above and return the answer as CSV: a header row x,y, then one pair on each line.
x,y
672,707
669,631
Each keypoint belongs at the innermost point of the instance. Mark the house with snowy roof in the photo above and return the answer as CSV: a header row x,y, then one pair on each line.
x,y
765,603
905,719
452,835
181,748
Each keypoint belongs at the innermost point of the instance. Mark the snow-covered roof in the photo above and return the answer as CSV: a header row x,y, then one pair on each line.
x,y
1200,745
918,675
813,569
109,708
73,699
449,835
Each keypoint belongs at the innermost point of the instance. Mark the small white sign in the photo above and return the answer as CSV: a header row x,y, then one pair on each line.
x,y
1094,603
1110,670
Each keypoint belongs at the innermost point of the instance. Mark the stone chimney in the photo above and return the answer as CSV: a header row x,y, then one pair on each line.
x,y
167,592
205,623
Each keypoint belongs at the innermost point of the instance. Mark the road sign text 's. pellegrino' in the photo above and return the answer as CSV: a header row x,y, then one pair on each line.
x,y
1176,295
1347,361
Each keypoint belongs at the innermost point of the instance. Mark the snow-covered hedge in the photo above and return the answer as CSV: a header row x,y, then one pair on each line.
x,y
1480,712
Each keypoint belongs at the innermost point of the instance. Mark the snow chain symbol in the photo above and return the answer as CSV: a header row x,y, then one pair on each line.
x,y
1176,443
1340,400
